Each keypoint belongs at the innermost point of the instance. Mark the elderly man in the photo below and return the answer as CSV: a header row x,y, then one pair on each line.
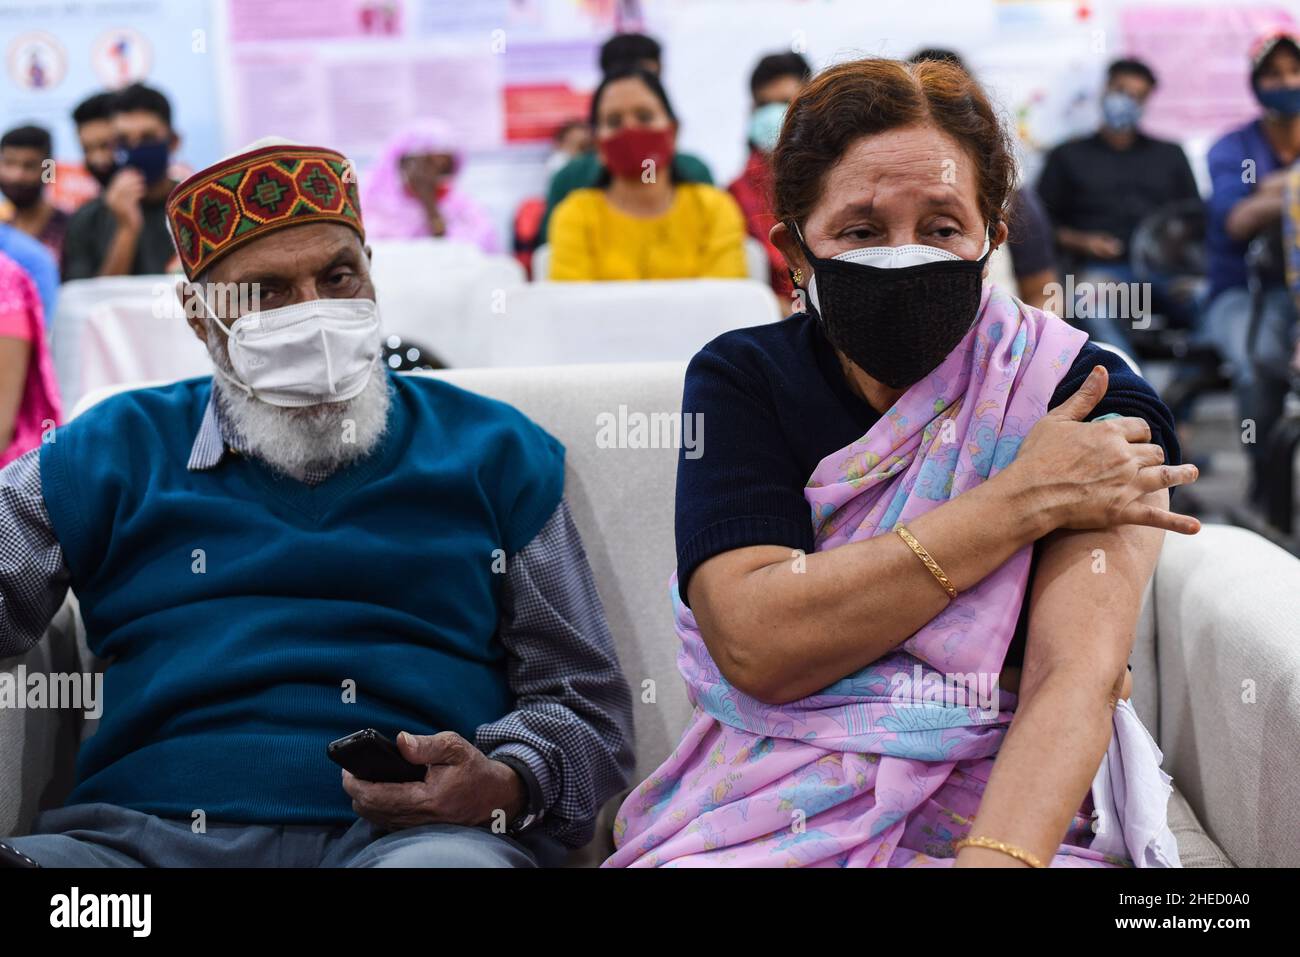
x,y
302,546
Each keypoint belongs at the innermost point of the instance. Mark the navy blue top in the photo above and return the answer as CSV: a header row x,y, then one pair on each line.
x,y
775,402
1229,185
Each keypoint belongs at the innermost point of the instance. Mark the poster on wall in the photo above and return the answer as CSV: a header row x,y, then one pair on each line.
x,y
58,52
353,73
1200,55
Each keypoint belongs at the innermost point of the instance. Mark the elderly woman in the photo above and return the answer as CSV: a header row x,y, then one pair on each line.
x,y
641,221
909,569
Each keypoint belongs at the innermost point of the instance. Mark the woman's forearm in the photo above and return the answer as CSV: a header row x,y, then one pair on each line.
x,y
781,626
1083,613
15,355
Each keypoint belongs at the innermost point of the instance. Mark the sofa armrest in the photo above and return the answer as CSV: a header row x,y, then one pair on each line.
x,y
38,745
1228,653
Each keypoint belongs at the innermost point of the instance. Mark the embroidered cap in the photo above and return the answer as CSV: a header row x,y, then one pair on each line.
x,y
255,192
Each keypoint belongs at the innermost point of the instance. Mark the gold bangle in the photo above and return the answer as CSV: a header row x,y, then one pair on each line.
x,y
1009,849
930,563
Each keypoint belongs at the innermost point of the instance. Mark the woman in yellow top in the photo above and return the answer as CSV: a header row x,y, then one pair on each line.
x,y
637,223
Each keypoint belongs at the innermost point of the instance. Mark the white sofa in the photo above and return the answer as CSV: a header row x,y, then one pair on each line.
x,y
756,264
581,323
1223,610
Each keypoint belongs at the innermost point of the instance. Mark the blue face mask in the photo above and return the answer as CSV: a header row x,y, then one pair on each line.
x,y
149,158
1120,111
765,126
1285,101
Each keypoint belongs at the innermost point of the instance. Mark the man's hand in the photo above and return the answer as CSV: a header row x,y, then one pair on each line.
x,y
422,177
122,196
462,785
1274,184
1102,245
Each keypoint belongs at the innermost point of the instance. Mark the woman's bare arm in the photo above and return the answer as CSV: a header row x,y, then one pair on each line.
x,y
14,356
780,627
1083,615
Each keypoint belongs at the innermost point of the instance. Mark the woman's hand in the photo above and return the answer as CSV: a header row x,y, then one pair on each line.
x,y
1092,474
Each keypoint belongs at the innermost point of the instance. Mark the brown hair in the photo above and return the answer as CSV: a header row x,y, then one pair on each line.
x,y
862,97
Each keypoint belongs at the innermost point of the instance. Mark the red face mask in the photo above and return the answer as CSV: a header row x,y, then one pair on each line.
x,y
625,153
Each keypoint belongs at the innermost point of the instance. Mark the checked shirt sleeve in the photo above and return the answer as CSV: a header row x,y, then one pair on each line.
x,y
572,723
33,575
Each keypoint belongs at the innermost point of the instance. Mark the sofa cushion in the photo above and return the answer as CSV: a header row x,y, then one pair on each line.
x,y
1195,847
1227,608
621,497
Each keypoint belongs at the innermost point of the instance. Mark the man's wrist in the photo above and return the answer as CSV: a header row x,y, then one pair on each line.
x,y
512,793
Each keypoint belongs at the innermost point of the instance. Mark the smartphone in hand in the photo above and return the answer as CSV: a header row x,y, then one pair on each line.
x,y
12,857
372,757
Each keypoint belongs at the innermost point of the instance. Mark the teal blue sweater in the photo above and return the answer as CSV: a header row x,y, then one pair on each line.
x,y
250,619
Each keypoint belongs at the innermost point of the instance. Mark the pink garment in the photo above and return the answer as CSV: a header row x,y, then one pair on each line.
x,y
21,318
390,212
885,767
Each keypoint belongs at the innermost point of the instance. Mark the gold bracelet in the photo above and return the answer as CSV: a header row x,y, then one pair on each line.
x,y
930,563
1010,849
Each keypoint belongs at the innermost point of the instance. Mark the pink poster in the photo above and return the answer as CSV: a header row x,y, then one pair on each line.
x,y
1199,55
355,102
256,21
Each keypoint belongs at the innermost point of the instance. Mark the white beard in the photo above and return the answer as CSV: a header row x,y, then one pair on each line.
x,y
299,441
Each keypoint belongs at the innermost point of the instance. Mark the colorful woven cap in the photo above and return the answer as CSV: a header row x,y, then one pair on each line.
x,y
253,193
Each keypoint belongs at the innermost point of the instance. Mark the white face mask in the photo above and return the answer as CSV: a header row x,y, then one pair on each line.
x,y
323,350
892,257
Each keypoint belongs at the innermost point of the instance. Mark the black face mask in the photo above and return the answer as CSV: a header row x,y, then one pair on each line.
x,y
896,324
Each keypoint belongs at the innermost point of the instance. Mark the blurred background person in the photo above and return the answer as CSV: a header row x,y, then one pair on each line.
x,y
411,191
1248,172
35,260
26,165
641,221
620,53
1030,252
93,118
572,139
123,231
1026,263
776,80
624,51
1098,188
29,397
1291,245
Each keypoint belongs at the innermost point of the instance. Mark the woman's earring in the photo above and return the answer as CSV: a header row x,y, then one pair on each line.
x,y
798,277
